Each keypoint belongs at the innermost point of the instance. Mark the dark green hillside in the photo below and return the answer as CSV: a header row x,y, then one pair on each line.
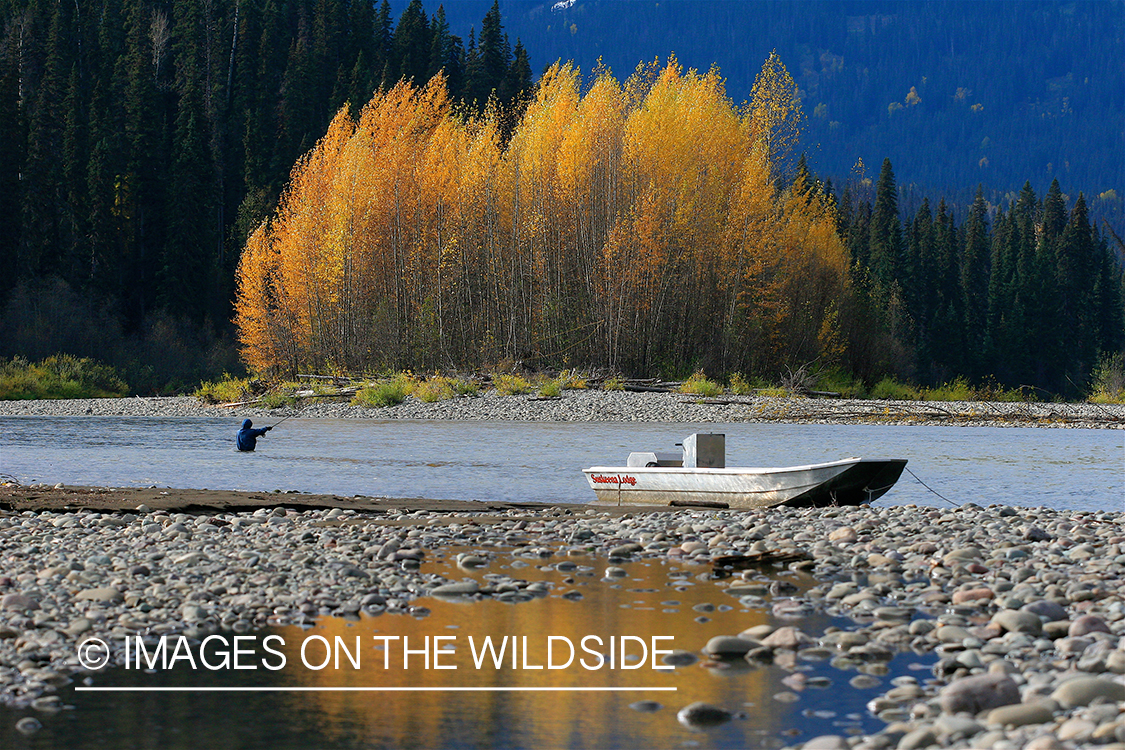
x,y
1004,91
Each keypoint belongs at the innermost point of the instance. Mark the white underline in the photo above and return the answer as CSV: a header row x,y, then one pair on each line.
x,y
118,689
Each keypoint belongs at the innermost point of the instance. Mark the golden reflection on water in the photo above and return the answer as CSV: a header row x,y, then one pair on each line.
x,y
642,605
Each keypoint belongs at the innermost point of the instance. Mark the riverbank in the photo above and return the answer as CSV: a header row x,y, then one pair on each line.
x,y
618,406
1022,607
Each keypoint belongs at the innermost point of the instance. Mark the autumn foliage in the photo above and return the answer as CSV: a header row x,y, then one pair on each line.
x,y
644,226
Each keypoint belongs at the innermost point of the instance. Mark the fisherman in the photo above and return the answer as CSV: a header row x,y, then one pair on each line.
x,y
247,439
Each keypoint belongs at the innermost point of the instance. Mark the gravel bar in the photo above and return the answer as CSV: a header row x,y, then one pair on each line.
x,y
619,406
1023,607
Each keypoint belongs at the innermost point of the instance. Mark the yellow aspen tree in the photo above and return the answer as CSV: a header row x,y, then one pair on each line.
x,y
776,116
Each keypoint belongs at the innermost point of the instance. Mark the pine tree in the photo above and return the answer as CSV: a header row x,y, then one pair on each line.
x,y
974,283
948,316
1054,212
1076,271
886,232
383,64
923,297
412,43
518,81
494,58
1001,271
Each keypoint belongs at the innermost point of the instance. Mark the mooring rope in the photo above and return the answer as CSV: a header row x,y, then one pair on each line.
x,y
931,489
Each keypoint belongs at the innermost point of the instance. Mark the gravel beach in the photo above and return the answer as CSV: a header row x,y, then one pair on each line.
x,y
620,406
1023,608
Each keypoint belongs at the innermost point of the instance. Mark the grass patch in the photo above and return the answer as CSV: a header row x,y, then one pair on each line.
x,y
837,381
278,398
889,388
958,390
774,392
510,385
60,376
699,385
380,394
226,390
388,393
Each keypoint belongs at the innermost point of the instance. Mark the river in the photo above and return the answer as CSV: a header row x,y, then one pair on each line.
x,y
1069,469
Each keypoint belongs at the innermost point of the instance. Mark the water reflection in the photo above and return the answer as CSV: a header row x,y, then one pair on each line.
x,y
654,598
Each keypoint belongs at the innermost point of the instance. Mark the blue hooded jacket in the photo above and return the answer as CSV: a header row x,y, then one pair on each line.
x,y
247,439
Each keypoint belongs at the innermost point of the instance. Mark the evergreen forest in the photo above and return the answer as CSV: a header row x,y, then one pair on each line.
x,y
190,188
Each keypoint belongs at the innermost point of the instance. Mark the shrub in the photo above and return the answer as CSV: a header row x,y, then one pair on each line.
x,y
699,385
739,386
889,388
464,387
958,390
437,388
838,381
60,376
1109,380
278,398
993,391
570,380
615,383
224,391
382,394
510,385
552,388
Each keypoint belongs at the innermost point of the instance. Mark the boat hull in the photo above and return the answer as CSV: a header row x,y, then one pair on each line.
x,y
851,481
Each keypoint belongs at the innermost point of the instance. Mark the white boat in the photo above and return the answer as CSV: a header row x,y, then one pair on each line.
x,y
700,477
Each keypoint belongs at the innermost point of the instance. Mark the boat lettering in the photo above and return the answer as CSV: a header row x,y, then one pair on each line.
x,y
613,479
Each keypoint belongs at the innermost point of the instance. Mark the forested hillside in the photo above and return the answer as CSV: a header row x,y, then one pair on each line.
x,y
142,142
956,93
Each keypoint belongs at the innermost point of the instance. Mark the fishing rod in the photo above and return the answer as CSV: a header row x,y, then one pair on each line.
x,y
277,423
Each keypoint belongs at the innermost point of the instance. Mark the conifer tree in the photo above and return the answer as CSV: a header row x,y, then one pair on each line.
x,y
1076,267
886,232
412,44
975,283
383,64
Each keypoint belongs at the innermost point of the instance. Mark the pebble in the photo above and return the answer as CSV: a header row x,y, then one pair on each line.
x,y
700,715
28,725
730,647
1087,624
1018,621
1021,714
979,693
1081,691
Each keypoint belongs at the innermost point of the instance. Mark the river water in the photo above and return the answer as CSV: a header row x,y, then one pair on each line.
x,y
536,461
